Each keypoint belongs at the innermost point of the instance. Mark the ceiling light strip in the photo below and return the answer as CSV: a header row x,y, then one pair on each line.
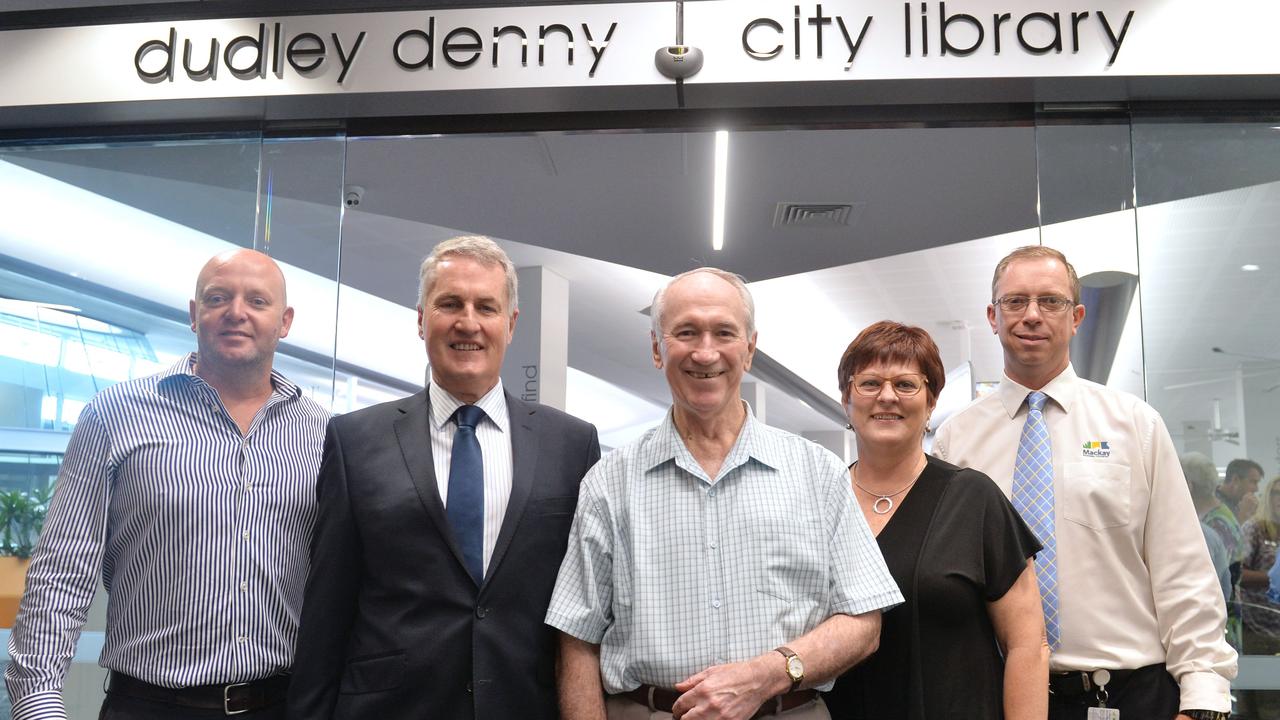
x,y
717,201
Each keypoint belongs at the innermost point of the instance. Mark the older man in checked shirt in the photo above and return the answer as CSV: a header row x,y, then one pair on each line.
x,y
717,567
192,494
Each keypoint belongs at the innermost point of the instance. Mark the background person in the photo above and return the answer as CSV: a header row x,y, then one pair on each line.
x,y
443,518
1234,494
1126,582
1261,535
1202,482
969,640
1261,613
1239,489
717,566
192,494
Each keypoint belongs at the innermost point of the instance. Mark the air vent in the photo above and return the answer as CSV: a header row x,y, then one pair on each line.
x,y
815,215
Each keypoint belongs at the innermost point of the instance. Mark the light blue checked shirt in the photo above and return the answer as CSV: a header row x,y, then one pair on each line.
x,y
671,571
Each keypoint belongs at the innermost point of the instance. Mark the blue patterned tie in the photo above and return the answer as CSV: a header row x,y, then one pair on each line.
x,y
465,507
1033,499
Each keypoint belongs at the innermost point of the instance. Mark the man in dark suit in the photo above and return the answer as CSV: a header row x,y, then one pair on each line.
x,y
443,518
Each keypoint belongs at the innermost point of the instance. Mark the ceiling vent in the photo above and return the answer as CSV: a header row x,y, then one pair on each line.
x,y
815,215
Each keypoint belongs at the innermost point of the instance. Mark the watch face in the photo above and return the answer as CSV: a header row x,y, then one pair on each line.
x,y
795,668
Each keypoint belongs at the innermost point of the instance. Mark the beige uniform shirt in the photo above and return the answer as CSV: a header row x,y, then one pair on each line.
x,y
1138,587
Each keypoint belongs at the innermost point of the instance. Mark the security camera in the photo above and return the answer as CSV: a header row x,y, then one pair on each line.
x,y
354,195
678,61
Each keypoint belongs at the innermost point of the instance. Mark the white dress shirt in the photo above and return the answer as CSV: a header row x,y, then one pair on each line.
x,y
1138,587
494,435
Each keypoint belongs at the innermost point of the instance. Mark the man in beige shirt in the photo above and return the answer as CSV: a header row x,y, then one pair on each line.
x,y
1139,614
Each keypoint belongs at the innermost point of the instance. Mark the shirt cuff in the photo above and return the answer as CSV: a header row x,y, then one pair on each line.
x,y
883,601
45,705
1197,691
584,628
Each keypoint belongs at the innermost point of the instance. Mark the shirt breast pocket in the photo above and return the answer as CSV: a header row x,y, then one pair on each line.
x,y
1096,494
790,558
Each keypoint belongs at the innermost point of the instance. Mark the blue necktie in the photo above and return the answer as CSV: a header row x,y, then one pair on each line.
x,y
1033,499
465,507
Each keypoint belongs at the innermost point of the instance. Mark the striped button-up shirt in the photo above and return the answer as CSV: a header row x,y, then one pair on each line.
x,y
201,535
671,571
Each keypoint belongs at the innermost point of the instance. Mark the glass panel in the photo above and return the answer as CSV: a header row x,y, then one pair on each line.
x,y
299,224
1086,205
1208,197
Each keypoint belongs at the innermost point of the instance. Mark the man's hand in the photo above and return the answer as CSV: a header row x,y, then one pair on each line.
x,y
731,692
1248,506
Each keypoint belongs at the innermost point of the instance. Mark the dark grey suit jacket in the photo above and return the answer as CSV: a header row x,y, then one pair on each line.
x,y
393,626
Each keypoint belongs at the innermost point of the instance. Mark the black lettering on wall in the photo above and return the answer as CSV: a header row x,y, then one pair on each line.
x,y
597,51
471,44
258,66
818,21
428,59
796,25
1053,21
152,46
997,21
210,69
946,22
545,30
498,33
746,41
1116,42
853,46
343,58
305,52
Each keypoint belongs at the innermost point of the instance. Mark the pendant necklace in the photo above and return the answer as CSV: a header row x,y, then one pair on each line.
x,y
881,498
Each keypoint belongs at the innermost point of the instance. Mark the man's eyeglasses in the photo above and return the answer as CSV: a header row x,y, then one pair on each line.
x,y
903,385
1051,304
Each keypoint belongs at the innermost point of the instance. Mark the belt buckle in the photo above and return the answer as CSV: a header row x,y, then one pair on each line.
x,y
226,699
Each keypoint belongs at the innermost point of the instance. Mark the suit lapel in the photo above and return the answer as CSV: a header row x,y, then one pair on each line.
x,y
413,432
524,461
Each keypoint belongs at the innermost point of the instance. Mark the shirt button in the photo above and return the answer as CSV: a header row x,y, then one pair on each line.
x,y
481,612
244,586
242,639
714,545
245,534
711,492
715,603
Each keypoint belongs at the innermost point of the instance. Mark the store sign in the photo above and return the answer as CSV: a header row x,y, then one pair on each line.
x,y
613,45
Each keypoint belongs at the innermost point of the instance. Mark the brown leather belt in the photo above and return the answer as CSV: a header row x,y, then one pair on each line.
x,y
660,700
232,699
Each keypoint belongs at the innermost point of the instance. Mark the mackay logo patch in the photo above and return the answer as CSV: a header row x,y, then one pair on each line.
x,y
1097,449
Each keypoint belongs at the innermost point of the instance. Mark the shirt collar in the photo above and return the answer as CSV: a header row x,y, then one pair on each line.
x,y
185,369
444,404
1062,390
754,442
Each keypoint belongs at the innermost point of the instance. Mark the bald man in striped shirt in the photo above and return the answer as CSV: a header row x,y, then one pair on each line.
x,y
191,493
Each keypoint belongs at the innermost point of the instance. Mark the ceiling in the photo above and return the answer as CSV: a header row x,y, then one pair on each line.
x,y
617,212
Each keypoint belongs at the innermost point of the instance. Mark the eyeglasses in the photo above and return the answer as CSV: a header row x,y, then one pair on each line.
x,y
1051,304
903,385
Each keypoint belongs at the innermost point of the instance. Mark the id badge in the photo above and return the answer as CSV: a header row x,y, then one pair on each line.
x,y
1097,713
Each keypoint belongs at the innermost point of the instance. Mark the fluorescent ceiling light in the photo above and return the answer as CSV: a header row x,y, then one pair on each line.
x,y
717,201
1250,267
